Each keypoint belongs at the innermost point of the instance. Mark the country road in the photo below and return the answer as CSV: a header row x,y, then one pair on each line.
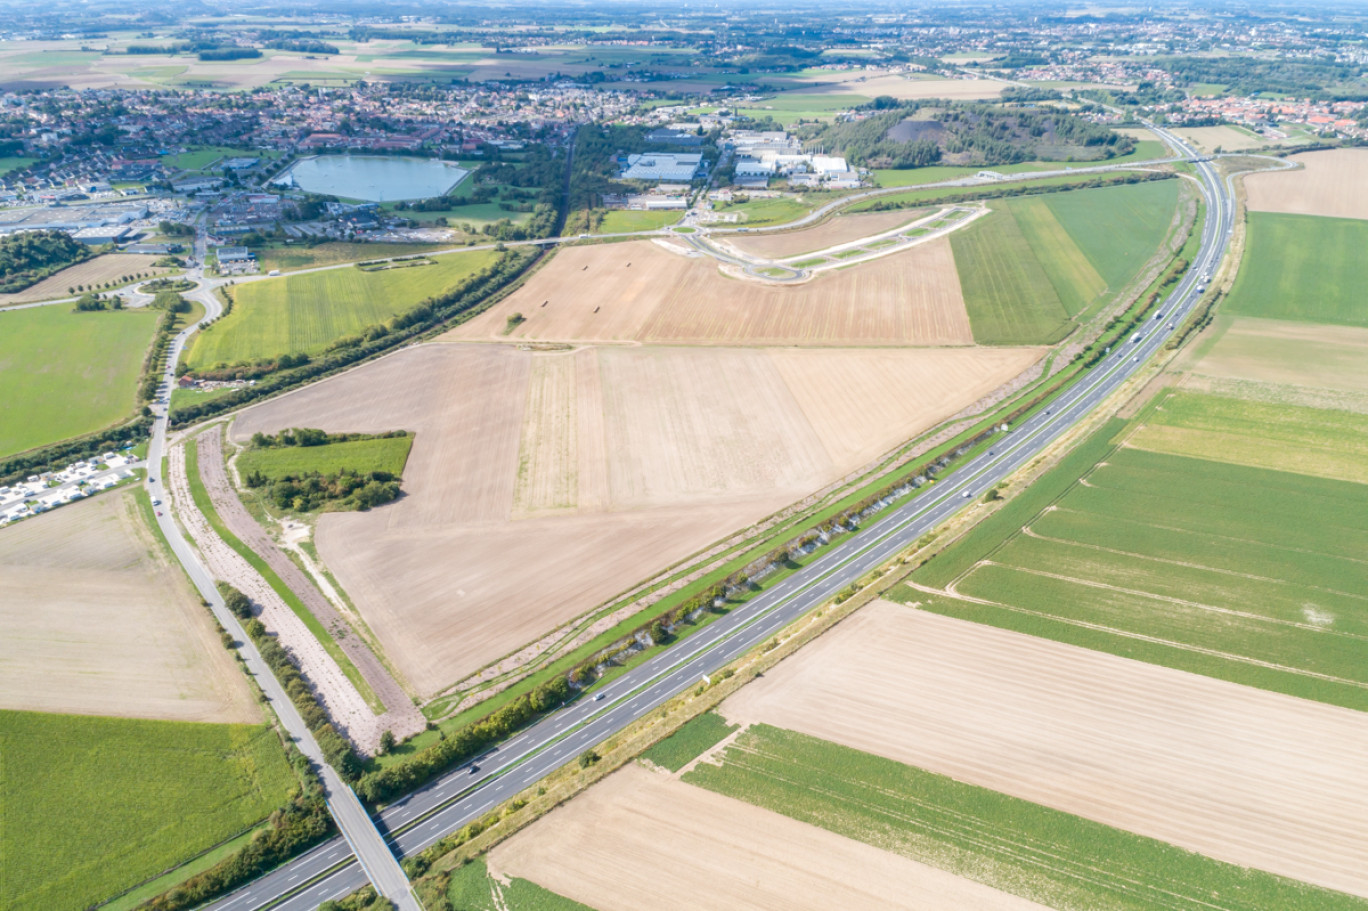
x,y
464,794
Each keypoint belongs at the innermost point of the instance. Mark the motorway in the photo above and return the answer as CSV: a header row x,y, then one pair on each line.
x,y
471,791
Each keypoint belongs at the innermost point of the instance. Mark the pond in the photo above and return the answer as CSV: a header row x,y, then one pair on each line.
x,y
373,178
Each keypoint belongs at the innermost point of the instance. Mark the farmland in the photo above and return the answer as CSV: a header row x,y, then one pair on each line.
x,y
360,456
1303,267
1332,183
1170,559
472,888
562,478
1041,854
690,741
839,229
1322,442
1132,747
619,220
63,374
93,607
305,313
1037,263
644,840
640,291
286,258
91,274
136,797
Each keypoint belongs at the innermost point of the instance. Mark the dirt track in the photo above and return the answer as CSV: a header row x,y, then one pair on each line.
x,y
346,708
838,230
95,620
639,839
1243,775
401,717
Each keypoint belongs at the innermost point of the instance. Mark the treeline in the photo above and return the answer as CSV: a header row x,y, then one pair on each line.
x,y
1094,353
336,750
31,256
1317,79
458,299
60,455
312,436
451,750
972,134
303,44
996,191
170,303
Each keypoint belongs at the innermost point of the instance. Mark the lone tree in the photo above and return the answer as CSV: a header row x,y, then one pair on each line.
x,y
386,742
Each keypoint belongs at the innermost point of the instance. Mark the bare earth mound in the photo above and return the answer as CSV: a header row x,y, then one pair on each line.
x,y
642,840
1243,775
838,230
97,621
1333,182
541,484
640,292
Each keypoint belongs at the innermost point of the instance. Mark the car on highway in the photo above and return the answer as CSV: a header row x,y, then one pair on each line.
x,y
473,770
598,697
965,495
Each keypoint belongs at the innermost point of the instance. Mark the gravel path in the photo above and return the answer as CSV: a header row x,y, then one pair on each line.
x,y
344,705
401,716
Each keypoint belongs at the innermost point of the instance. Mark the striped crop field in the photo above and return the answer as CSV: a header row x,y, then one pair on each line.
x,y
306,312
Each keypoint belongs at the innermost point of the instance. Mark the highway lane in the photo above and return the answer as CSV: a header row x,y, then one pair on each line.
x,y
469,792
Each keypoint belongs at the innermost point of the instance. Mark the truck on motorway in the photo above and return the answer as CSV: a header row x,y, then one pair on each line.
x,y
1135,338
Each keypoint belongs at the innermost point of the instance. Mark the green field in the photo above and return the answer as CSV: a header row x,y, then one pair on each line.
x,y
621,220
1038,262
1303,267
768,211
1245,574
473,889
14,164
696,737
1053,858
94,806
63,374
199,159
361,456
1314,441
307,312
287,257
1145,150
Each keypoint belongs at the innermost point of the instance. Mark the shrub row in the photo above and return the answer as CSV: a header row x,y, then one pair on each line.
x,y
999,190
336,749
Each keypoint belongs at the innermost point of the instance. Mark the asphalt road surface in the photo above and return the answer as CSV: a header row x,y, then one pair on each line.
x,y
471,791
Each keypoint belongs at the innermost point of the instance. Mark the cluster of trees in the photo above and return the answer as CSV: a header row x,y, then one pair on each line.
x,y
90,301
156,356
972,134
349,489
452,749
335,747
31,256
1317,79
460,298
175,229
304,44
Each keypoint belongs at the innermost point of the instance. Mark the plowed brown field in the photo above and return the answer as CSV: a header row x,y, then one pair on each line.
x,y
838,230
1332,182
541,484
643,840
1240,774
97,621
640,292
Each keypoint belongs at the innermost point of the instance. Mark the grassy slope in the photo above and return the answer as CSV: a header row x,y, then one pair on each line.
x,y
305,313
473,889
1051,857
63,374
134,798
1239,573
1303,267
361,456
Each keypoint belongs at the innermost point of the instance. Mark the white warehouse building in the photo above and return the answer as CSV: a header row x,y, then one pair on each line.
x,y
680,168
